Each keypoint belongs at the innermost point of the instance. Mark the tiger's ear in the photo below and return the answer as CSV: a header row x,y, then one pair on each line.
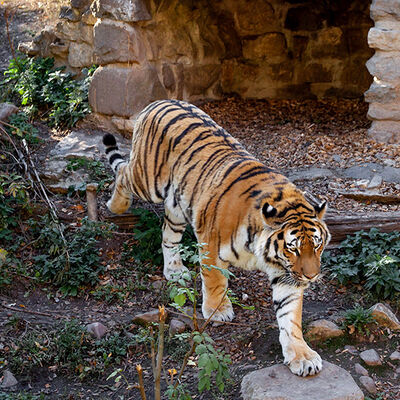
x,y
320,209
269,211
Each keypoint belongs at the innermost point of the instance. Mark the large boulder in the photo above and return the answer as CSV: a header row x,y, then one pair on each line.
x,y
116,42
278,383
124,91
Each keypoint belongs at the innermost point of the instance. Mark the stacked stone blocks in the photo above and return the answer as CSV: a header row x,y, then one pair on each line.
x,y
384,66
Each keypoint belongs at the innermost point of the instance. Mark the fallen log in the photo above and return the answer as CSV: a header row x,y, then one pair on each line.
x,y
339,225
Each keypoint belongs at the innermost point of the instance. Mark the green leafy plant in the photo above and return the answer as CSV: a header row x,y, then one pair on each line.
x,y
212,364
40,86
358,319
72,349
14,199
96,170
370,258
21,127
73,262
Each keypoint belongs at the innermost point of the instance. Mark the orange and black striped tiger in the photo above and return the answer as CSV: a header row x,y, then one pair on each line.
x,y
246,214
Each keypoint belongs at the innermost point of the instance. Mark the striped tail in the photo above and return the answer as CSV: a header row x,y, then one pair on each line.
x,y
113,155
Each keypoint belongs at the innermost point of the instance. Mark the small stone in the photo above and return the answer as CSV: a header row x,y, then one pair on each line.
x,y
146,318
360,369
371,357
389,162
362,183
176,326
6,109
375,182
277,382
351,349
384,316
157,285
395,356
336,158
97,329
368,383
323,329
8,380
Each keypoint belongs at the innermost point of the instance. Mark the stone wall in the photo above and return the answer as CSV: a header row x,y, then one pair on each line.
x,y
384,93
152,49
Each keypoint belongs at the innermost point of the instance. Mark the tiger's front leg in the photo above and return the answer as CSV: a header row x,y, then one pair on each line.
x,y
298,356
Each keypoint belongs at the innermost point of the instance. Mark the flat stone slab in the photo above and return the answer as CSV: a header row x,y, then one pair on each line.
x,y
278,383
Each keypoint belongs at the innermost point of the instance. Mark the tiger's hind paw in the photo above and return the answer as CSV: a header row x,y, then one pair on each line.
x,y
175,272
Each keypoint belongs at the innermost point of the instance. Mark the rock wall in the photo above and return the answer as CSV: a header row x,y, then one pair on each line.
x,y
186,49
384,66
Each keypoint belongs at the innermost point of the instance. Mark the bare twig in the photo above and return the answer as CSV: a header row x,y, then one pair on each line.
x,y
139,370
31,312
160,351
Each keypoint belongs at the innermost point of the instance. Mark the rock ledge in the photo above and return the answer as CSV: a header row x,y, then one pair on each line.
x,y
278,383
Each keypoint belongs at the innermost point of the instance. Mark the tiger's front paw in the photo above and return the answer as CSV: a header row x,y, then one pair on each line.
x,y
302,360
223,313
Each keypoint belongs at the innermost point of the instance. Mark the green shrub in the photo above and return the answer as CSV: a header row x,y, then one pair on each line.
x,y
14,198
71,349
358,320
148,239
41,87
370,258
74,262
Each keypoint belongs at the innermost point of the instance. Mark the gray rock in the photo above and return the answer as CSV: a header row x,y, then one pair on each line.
x,y
375,182
278,383
360,369
7,109
385,316
395,356
81,144
323,329
391,174
368,383
176,326
70,14
371,357
389,162
8,380
309,174
97,329
364,171
336,158
351,349
147,318
80,55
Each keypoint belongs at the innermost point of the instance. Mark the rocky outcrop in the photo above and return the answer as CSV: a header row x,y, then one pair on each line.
x,y
384,94
149,50
277,382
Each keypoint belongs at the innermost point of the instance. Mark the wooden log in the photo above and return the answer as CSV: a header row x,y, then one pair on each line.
x,y
339,225
91,199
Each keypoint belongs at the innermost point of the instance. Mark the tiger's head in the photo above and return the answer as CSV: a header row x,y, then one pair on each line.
x,y
296,240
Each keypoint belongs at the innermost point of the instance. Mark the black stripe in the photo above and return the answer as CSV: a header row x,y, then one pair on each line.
x,y
110,149
114,157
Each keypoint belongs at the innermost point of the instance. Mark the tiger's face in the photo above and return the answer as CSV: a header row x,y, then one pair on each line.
x,y
297,243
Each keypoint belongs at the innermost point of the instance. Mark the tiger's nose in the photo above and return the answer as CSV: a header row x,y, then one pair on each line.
x,y
311,275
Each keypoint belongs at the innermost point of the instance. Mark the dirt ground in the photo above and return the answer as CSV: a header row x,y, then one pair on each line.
x,y
283,134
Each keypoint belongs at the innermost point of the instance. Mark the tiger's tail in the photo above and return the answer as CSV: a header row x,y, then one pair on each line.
x,y
112,152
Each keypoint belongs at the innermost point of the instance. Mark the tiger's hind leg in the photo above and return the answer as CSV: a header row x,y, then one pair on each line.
x,y
173,229
216,303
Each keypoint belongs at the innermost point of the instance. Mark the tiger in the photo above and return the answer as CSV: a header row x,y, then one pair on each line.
x,y
243,214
